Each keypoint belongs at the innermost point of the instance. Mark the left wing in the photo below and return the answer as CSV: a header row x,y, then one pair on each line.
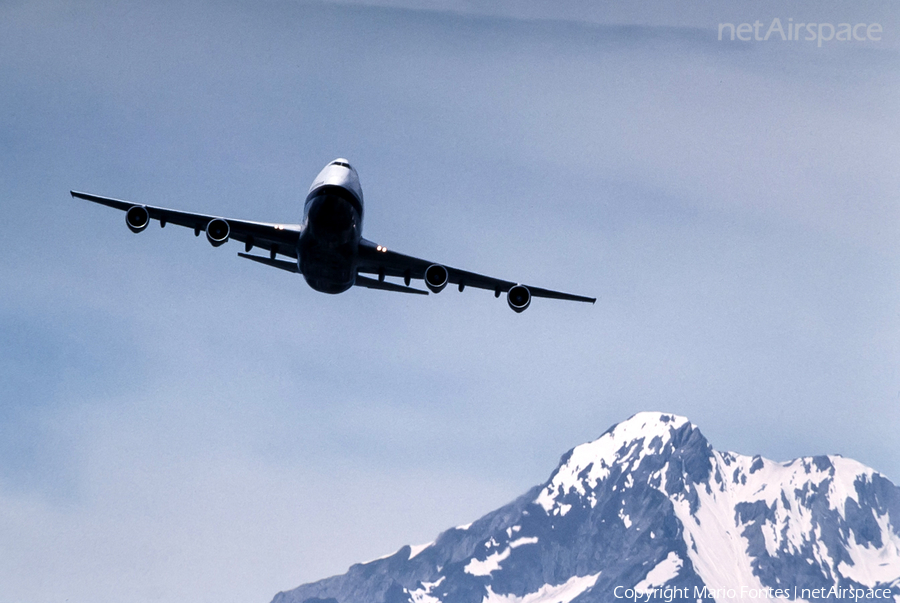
x,y
376,259
276,238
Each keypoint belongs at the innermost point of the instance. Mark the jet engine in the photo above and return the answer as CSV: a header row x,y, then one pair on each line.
x,y
436,278
137,217
518,298
217,231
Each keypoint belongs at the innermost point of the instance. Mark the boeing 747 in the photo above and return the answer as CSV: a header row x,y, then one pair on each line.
x,y
327,247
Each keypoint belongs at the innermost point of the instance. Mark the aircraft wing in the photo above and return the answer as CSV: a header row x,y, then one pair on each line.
x,y
376,259
276,238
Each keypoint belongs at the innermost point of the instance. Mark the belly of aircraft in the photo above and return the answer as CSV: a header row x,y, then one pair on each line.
x,y
328,246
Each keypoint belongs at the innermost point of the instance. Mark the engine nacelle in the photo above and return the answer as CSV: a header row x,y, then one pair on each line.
x,y
137,217
518,298
217,231
436,278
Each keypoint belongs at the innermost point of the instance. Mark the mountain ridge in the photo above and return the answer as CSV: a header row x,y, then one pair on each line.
x,y
649,506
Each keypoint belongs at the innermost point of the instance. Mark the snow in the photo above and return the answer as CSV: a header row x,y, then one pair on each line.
x,y
841,490
721,559
721,556
664,571
560,593
491,564
793,526
626,443
415,549
779,495
423,595
872,566
476,567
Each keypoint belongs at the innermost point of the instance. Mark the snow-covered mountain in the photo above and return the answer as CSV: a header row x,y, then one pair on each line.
x,y
649,511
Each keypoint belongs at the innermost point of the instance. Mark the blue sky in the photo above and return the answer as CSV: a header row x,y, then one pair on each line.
x,y
178,424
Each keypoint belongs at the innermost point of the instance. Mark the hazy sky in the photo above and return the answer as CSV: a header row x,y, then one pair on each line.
x,y
177,424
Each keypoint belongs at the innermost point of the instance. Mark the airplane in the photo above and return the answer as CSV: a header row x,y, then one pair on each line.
x,y
327,248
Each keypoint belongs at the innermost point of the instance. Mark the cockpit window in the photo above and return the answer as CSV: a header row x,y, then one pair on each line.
x,y
341,163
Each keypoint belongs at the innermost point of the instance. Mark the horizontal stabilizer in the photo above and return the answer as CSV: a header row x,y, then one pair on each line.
x,y
283,264
371,283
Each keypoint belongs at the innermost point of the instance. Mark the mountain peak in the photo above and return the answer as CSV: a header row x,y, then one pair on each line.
x,y
650,507
622,451
644,425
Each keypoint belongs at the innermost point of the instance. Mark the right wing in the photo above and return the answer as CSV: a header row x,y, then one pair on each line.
x,y
376,259
276,238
